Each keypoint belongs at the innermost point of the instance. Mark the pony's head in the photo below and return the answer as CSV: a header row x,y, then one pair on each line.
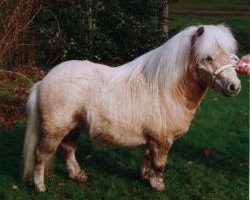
x,y
212,48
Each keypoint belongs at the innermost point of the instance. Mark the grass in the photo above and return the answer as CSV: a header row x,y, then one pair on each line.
x,y
220,127
239,24
223,5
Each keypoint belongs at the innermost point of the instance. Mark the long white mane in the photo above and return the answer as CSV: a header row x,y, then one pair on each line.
x,y
164,66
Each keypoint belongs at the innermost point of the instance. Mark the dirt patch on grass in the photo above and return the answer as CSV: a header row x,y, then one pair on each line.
x,y
14,89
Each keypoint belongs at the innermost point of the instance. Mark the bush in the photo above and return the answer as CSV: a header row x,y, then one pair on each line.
x,y
101,31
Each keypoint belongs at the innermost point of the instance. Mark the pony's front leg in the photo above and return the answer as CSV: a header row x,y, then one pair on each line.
x,y
158,157
145,166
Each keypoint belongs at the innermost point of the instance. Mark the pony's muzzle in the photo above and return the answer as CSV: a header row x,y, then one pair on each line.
x,y
232,88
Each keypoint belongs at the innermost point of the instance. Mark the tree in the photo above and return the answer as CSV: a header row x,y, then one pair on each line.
x,y
164,17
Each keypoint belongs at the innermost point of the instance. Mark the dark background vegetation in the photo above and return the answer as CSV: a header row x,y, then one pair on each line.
x,y
98,30
209,162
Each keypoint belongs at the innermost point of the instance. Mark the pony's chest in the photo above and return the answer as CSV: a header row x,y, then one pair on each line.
x,y
178,121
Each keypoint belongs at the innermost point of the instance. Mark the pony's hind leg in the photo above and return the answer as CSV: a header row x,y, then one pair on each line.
x,y
68,146
44,150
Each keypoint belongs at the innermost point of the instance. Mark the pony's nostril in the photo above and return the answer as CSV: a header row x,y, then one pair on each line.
x,y
232,87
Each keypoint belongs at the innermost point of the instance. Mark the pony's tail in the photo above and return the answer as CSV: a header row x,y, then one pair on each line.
x,y
32,134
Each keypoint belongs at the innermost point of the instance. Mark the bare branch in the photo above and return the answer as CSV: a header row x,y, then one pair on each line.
x,y
17,73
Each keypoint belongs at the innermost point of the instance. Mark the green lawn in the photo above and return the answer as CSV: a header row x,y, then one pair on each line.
x,y
220,127
239,24
216,5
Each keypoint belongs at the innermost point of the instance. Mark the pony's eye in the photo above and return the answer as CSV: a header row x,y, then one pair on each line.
x,y
209,58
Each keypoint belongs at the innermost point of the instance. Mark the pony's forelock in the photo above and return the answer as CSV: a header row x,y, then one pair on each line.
x,y
214,36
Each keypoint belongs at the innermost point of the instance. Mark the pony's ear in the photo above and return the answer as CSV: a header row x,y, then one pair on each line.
x,y
200,31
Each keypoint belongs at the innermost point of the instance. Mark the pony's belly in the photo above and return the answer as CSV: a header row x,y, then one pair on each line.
x,y
123,139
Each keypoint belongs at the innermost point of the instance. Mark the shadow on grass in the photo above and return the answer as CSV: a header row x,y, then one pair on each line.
x,y
11,141
229,161
105,162
109,160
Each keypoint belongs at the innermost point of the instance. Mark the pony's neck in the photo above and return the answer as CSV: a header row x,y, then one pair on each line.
x,y
170,59
190,90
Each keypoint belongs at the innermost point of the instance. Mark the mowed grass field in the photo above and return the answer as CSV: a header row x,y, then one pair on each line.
x,y
212,5
238,24
209,162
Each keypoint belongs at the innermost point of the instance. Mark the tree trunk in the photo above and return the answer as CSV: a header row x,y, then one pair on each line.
x,y
164,18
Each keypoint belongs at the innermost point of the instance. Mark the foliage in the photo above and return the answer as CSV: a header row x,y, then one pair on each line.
x,y
14,20
107,31
100,31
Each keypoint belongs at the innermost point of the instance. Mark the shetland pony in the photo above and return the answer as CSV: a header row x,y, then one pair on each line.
x,y
149,101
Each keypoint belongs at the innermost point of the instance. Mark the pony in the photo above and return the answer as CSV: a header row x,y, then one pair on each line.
x,y
149,101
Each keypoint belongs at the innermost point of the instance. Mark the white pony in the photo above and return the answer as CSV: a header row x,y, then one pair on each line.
x,y
148,101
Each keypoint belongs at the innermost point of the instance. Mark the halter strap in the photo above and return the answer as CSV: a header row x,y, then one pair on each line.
x,y
213,75
234,60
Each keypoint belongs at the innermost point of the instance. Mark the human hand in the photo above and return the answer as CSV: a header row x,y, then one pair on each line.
x,y
243,66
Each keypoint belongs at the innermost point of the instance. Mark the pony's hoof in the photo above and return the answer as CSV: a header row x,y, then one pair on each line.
x,y
145,175
41,188
81,176
157,184
145,172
